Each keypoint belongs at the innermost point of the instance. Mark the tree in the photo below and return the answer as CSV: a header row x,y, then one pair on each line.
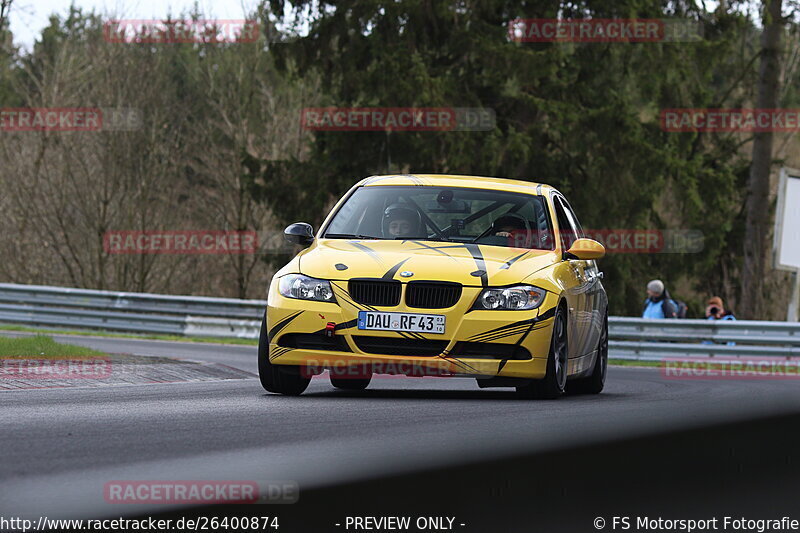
x,y
5,9
758,209
582,117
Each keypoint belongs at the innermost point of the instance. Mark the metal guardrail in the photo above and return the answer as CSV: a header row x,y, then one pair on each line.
x,y
130,312
647,339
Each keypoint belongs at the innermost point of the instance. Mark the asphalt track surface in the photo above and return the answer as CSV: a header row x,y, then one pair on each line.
x,y
60,446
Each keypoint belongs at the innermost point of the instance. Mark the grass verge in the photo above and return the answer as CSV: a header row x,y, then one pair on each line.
x,y
43,347
94,333
245,342
633,362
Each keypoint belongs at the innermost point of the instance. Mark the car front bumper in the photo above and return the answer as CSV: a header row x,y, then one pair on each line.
x,y
476,343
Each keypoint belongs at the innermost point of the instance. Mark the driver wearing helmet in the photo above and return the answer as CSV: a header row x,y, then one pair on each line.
x,y
400,221
512,226
506,225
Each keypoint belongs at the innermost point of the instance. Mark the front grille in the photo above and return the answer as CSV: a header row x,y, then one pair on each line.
x,y
432,294
375,291
395,346
490,350
313,341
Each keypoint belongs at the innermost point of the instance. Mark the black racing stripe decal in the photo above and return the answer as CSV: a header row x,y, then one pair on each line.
x,y
550,313
442,247
415,180
369,251
504,327
517,345
497,336
513,260
424,246
513,326
475,251
345,296
282,324
459,362
392,271
277,352
539,189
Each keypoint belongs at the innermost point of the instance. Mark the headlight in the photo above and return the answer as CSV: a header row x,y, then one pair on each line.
x,y
519,298
305,288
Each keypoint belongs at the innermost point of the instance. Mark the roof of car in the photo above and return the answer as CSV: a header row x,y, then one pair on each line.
x,y
448,180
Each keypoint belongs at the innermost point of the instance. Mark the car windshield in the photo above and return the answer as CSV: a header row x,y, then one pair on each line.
x,y
463,215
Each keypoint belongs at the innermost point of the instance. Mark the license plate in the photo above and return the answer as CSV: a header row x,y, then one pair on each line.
x,y
412,322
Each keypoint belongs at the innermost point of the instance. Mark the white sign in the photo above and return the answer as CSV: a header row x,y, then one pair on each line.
x,y
787,221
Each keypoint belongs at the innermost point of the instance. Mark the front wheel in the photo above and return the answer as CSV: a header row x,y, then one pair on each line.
x,y
283,379
552,386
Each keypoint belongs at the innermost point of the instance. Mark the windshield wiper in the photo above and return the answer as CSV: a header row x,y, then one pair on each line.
x,y
347,236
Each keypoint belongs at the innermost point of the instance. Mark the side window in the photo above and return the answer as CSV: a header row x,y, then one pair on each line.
x,y
572,218
536,212
566,230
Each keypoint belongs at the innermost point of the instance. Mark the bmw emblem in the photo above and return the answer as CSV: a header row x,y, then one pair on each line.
x,y
406,274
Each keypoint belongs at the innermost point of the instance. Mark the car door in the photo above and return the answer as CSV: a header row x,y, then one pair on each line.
x,y
571,275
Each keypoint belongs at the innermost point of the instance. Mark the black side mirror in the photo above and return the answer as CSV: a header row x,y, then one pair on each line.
x,y
299,233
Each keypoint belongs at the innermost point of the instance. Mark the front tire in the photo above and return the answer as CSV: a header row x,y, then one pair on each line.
x,y
552,386
282,379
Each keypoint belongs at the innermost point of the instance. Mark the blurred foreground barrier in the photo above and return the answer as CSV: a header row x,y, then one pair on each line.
x,y
131,312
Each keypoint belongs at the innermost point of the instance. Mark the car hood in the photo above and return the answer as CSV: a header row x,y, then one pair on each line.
x,y
468,264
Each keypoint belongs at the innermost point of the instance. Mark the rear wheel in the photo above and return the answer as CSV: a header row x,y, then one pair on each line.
x,y
552,386
594,383
283,379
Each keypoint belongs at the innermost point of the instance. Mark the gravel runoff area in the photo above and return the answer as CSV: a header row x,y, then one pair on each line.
x,y
94,371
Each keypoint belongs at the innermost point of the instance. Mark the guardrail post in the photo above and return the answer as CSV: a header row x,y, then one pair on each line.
x,y
794,301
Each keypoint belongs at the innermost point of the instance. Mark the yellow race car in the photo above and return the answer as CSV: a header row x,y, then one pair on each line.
x,y
438,275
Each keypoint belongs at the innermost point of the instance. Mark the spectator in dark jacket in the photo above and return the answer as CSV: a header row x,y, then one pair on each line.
x,y
658,303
